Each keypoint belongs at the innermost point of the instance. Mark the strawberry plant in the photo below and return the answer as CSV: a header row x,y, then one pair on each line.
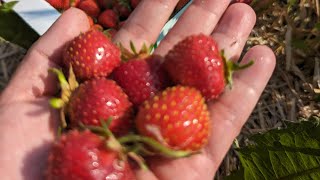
x,y
289,153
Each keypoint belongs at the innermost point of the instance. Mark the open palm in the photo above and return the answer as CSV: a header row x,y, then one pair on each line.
x,y
28,125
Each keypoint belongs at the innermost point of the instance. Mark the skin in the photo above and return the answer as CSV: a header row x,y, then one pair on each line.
x,y
28,124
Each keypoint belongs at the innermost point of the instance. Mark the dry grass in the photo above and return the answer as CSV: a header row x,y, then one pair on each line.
x,y
291,92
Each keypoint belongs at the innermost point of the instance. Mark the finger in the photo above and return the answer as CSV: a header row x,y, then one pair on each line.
x,y
32,78
234,28
233,108
26,139
200,17
145,23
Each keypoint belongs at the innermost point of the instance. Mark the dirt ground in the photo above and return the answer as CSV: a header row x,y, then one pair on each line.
x,y
293,32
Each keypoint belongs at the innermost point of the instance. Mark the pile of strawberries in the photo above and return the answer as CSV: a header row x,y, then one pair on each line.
x,y
118,106
104,15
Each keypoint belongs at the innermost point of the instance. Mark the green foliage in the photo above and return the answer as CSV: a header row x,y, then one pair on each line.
x,y
14,29
287,154
7,7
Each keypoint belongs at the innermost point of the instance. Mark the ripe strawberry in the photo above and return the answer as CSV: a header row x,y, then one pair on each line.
x,y
91,55
122,7
134,3
90,7
105,4
197,62
63,4
108,19
177,118
141,78
84,155
100,99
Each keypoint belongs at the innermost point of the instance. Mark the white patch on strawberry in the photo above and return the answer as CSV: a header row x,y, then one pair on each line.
x,y
155,131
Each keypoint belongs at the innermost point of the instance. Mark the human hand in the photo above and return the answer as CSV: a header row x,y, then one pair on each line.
x,y
29,124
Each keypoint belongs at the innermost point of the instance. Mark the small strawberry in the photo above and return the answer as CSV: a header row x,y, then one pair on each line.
x,y
177,118
134,3
106,4
122,7
84,155
197,62
108,19
100,99
91,55
141,77
91,7
63,4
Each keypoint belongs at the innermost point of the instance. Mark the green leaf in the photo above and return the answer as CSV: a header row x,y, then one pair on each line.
x,y
7,7
292,153
15,30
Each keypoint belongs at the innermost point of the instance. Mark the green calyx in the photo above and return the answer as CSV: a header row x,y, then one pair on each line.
x,y
67,87
114,145
127,55
230,67
125,3
155,145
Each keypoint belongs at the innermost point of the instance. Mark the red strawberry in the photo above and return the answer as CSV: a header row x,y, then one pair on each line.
x,y
91,7
134,3
108,19
177,118
197,62
122,7
141,78
100,99
91,55
105,4
63,4
84,155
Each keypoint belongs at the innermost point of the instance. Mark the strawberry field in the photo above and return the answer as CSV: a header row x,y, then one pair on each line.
x,y
281,138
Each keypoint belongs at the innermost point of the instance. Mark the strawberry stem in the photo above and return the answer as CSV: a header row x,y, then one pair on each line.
x,y
163,150
56,103
62,79
230,67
